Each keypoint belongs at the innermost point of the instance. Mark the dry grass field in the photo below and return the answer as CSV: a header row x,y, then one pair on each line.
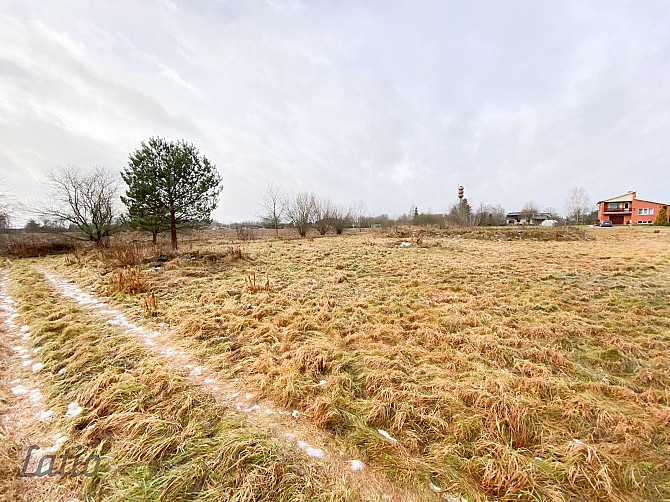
x,y
481,366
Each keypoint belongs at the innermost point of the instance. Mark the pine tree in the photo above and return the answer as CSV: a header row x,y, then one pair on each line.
x,y
170,185
661,217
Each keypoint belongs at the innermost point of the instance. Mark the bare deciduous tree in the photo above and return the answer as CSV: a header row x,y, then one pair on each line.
x,y
577,205
322,214
340,218
272,206
299,209
4,209
83,199
489,215
529,210
358,213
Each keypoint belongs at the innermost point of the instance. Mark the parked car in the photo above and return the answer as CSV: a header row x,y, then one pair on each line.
x,y
606,223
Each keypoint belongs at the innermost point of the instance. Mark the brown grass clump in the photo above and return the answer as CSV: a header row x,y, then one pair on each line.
x,y
149,305
129,281
129,254
253,286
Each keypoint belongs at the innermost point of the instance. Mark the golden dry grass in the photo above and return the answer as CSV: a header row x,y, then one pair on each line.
x,y
159,437
514,369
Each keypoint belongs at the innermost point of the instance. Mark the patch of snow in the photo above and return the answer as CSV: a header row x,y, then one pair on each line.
x,y
310,450
451,498
321,382
44,415
59,440
295,414
387,435
73,409
356,465
37,367
35,395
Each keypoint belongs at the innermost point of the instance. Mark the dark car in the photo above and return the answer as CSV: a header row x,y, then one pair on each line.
x,y
606,223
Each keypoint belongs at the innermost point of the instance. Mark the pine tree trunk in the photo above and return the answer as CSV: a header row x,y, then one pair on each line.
x,y
173,229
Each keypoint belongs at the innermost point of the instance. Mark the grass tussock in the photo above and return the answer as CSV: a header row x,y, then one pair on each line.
x,y
159,438
129,281
149,305
513,369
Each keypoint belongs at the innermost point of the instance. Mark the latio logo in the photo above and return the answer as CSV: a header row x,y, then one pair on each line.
x,y
47,464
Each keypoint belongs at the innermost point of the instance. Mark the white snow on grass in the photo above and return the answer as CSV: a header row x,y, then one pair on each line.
x,y
310,450
59,439
356,465
46,414
37,366
387,435
73,409
19,390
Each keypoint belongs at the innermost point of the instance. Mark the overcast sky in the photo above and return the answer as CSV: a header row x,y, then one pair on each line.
x,y
391,102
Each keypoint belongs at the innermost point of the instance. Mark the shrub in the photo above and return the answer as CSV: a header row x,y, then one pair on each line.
x,y
661,217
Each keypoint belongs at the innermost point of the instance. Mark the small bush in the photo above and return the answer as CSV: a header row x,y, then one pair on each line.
x,y
661,218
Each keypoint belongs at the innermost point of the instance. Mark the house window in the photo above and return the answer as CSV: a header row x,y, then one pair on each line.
x,y
644,222
645,210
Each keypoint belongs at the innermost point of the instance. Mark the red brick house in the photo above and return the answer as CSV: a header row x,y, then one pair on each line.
x,y
627,209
